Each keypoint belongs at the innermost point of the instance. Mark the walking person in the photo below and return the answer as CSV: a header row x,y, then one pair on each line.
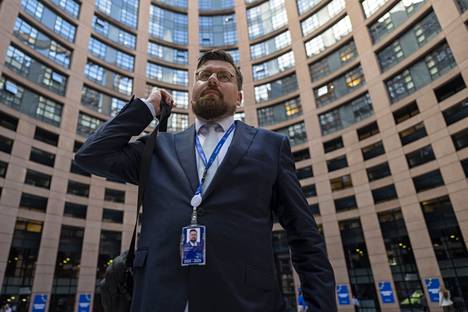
x,y
444,300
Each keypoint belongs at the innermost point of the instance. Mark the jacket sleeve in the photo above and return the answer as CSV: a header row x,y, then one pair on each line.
x,y
306,243
108,153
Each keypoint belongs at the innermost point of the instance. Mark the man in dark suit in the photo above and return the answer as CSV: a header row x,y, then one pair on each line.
x,y
252,177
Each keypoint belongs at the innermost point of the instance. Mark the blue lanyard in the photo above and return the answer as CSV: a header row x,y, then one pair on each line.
x,y
209,162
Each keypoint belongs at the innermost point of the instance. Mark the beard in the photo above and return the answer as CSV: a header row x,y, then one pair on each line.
x,y
210,107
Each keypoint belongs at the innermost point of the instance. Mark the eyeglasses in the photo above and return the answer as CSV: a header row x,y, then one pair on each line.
x,y
222,76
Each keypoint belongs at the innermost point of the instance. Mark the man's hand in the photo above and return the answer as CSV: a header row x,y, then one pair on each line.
x,y
155,99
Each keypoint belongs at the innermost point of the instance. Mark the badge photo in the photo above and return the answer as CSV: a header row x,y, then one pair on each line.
x,y
192,245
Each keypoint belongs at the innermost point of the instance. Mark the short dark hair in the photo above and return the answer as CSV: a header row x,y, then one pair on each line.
x,y
221,55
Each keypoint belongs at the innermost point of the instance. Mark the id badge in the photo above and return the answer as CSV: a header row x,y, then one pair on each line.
x,y
192,245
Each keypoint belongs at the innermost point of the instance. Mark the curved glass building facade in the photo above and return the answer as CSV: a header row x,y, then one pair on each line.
x,y
371,93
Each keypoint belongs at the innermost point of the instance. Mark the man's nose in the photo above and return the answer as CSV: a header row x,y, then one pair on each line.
x,y
213,78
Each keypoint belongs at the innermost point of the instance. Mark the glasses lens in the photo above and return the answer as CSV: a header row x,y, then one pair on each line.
x,y
204,75
223,76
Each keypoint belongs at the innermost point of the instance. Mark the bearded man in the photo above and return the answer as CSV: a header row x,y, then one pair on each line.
x,y
226,180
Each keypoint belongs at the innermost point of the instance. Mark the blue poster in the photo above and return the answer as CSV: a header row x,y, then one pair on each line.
x,y
84,303
386,292
432,285
343,294
39,303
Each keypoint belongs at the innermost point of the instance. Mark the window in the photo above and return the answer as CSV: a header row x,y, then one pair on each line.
x,y
167,74
111,55
329,37
296,133
301,155
309,190
114,195
373,150
314,208
450,88
322,16
42,43
168,54
304,173
8,121
277,113
367,131
67,268
408,43
333,145
75,169
275,89
456,112
428,181
345,203
463,5
114,33
266,18
358,264
39,179
75,210
215,4
434,64
449,248
42,157
383,194
177,122
111,215
464,164
304,6
35,71
125,12
46,136
412,134
378,172
402,261
371,6
339,87
3,169
87,124
273,66
30,103
108,78
217,30
6,144
396,16
71,7
347,114
49,19
168,26
78,188
33,202
406,112
420,156
333,62
337,163
460,139
341,183
270,46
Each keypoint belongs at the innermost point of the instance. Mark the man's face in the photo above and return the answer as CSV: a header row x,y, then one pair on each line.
x,y
212,99
193,236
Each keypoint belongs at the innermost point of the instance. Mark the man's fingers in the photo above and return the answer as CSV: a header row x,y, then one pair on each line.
x,y
167,97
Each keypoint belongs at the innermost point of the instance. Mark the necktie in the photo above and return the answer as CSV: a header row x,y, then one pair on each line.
x,y
211,139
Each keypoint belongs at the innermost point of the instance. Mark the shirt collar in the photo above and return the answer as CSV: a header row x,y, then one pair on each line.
x,y
225,123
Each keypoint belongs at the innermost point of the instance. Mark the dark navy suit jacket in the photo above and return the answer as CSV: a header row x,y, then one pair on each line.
x,y
256,178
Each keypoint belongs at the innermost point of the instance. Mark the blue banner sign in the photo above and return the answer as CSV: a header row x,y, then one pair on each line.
x,y
433,286
39,303
386,292
84,303
343,294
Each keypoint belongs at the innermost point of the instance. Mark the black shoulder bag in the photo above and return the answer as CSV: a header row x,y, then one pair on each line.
x,y
117,285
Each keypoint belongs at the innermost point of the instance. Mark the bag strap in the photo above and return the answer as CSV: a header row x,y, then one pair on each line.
x,y
144,173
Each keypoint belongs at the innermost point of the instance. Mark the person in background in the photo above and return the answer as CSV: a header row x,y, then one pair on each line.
x,y
444,299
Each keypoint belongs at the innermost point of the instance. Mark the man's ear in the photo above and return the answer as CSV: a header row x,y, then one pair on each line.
x,y
240,98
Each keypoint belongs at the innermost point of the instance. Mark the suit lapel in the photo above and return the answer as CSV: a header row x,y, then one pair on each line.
x,y
240,143
185,148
